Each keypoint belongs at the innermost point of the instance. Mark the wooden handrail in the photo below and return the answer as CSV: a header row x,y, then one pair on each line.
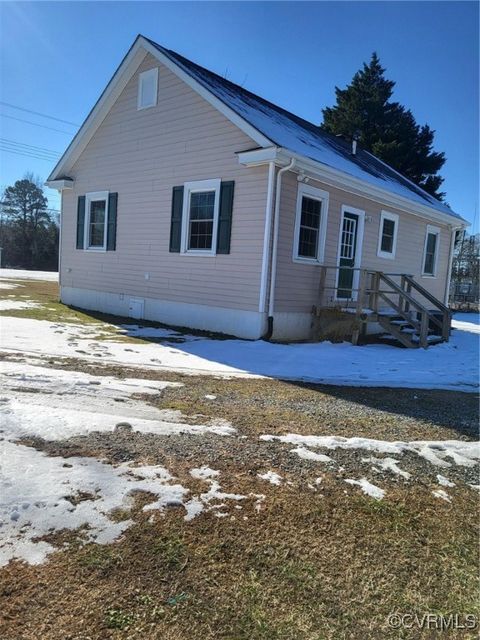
x,y
368,294
426,294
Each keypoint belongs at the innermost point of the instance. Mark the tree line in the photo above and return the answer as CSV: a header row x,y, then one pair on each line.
x,y
29,230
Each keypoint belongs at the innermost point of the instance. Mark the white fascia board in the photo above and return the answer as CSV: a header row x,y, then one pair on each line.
x,y
237,120
122,75
344,181
125,71
60,185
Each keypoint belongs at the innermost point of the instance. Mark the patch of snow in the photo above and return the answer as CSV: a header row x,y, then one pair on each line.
x,y
271,476
452,365
368,488
37,498
24,274
204,473
210,396
10,285
306,454
445,482
440,493
387,464
461,452
204,502
51,419
16,305
137,331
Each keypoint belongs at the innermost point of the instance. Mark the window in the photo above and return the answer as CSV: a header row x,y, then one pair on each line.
x,y
430,251
200,217
96,216
387,239
310,224
147,89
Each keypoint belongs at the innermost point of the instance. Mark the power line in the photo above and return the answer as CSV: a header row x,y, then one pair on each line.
x,y
10,147
37,113
36,124
28,155
31,146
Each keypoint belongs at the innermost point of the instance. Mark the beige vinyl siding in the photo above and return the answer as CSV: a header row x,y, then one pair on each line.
x,y
298,284
142,155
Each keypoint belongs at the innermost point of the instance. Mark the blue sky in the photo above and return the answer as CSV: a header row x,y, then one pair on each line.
x,y
56,58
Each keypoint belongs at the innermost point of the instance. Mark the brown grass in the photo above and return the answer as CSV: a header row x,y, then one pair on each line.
x,y
310,565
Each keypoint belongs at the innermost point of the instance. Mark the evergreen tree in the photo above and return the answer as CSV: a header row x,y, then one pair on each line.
x,y
28,234
385,128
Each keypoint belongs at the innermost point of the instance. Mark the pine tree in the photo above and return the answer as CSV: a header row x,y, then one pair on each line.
x,y
385,128
25,210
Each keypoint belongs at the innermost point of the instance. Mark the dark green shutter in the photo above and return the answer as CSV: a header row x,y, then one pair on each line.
x,y
80,222
176,221
112,222
225,217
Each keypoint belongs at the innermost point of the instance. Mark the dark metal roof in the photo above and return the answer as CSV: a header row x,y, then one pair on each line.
x,y
287,130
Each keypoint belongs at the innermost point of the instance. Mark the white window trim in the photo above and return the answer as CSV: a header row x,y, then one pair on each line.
x,y
89,198
145,74
316,194
393,217
188,189
431,230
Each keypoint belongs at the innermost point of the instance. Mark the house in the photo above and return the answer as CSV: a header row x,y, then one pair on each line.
x,y
190,201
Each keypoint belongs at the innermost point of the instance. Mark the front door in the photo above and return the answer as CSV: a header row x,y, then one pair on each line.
x,y
349,256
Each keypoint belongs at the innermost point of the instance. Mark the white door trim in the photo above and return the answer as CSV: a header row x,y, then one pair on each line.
x,y
358,249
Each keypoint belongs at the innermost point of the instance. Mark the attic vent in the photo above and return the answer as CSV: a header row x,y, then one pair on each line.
x,y
147,88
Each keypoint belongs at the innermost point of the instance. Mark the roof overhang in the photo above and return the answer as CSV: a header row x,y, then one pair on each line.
x,y
61,184
129,65
340,180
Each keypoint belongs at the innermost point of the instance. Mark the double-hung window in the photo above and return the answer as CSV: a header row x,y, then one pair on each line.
x,y
96,218
387,239
310,224
200,217
430,251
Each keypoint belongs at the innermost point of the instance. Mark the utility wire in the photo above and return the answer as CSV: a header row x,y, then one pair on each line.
x,y
28,155
31,146
36,124
37,113
40,154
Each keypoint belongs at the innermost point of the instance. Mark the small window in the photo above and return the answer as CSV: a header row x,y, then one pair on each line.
x,y
310,224
147,89
200,217
387,240
96,212
430,251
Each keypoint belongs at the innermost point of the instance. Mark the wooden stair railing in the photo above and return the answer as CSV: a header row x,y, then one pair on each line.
x,y
414,328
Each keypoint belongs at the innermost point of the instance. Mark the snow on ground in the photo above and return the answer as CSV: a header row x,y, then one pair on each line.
x,y
38,497
66,404
15,305
460,452
271,476
367,487
10,285
23,274
38,492
453,365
